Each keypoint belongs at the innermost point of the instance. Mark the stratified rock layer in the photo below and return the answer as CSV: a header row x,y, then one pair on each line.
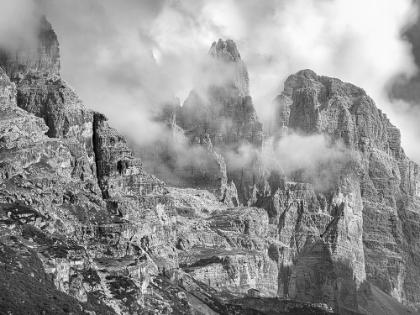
x,y
377,188
45,193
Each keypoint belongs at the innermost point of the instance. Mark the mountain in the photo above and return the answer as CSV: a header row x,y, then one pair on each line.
x,y
85,229
374,205
220,117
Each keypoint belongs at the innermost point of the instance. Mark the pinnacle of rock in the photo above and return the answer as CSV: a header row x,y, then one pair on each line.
x,y
225,50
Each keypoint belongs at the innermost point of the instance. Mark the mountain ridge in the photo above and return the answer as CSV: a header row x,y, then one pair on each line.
x,y
109,238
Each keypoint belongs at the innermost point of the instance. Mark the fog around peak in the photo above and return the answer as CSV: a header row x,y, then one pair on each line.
x,y
124,58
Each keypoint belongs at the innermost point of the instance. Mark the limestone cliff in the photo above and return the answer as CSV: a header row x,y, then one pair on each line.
x,y
186,162
376,191
221,108
217,121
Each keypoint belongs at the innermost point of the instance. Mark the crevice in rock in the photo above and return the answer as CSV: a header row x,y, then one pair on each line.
x,y
95,142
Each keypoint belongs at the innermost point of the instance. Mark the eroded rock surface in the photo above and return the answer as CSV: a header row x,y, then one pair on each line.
x,y
376,187
221,108
84,229
215,123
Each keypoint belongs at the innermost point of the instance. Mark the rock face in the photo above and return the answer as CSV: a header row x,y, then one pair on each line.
x,y
216,122
377,189
221,109
86,246
182,162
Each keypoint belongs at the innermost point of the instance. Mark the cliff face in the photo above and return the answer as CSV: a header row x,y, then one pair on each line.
x,y
89,225
377,188
221,108
216,121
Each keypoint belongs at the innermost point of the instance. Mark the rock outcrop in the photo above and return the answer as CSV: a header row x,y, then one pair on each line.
x,y
215,125
377,186
183,162
220,109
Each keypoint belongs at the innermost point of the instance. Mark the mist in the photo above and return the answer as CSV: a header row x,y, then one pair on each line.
x,y
316,159
18,22
126,58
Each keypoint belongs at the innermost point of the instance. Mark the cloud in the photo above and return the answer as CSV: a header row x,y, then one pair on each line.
x,y
126,57
312,158
17,23
242,157
316,158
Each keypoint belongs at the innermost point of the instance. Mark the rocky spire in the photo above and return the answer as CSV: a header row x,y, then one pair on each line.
x,y
228,61
221,109
220,104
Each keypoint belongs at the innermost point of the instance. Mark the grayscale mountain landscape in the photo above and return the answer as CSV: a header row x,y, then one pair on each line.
x,y
209,157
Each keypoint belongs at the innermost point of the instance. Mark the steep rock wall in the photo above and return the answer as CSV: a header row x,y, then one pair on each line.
x,y
220,106
382,180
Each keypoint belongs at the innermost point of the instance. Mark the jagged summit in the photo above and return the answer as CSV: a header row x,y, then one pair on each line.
x,y
223,111
319,104
225,49
304,77
220,101
222,69
378,182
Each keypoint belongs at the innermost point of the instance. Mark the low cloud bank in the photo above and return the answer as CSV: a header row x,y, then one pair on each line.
x,y
316,159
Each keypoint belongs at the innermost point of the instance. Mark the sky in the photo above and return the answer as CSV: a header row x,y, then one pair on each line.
x,y
126,57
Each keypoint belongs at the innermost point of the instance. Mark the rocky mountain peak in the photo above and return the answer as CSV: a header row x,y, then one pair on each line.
x,y
221,91
226,50
222,71
320,104
378,176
